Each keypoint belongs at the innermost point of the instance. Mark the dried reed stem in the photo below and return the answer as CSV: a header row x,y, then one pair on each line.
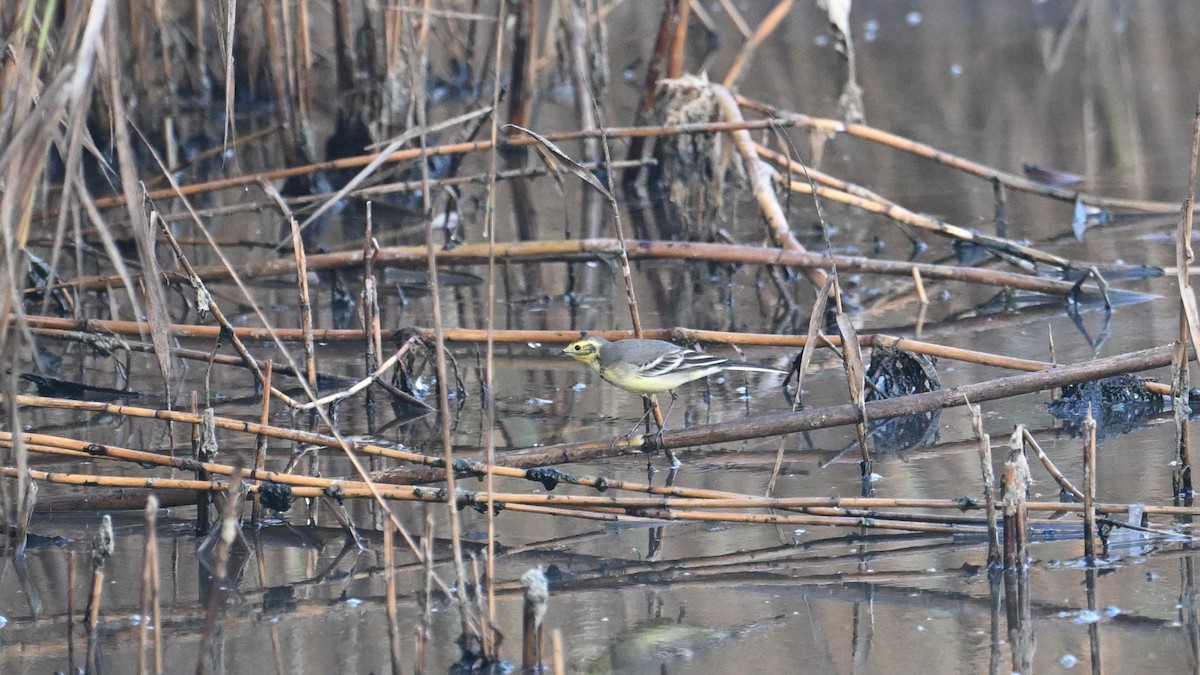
x,y
389,575
466,620
489,367
369,300
584,250
1057,475
1089,489
537,594
759,175
150,614
224,544
925,151
1189,319
679,40
1014,487
994,557
102,548
764,30
306,322
556,643
260,441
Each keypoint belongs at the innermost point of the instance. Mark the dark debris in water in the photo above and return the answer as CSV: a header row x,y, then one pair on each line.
x,y
276,496
76,391
894,372
1119,405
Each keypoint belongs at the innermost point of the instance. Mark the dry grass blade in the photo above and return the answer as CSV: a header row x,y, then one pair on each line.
x,y
306,321
856,373
1089,489
552,154
816,321
227,39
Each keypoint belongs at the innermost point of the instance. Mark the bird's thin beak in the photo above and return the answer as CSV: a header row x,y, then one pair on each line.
x,y
563,352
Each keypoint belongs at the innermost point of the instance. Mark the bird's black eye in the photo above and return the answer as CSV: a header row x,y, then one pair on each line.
x,y
578,347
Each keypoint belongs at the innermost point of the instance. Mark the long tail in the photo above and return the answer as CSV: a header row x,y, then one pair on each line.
x,y
752,367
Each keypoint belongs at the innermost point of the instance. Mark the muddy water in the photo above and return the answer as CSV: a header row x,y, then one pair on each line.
x,y
1105,90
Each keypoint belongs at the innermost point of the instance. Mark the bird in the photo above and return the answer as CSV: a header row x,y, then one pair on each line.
x,y
649,367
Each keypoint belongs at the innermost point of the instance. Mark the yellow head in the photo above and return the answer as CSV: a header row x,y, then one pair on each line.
x,y
586,350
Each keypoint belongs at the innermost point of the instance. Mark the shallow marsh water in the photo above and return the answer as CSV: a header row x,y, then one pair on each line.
x,y
970,78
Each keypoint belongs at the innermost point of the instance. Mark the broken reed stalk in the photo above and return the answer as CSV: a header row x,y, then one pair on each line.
x,y
306,322
1018,608
920,286
448,149
155,307
769,425
228,532
1012,496
425,599
994,558
855,369
1000,216
680,496
102,549
203,500
389,576
260,441
556,643
1089,489
70,611
537,595
1189,318
1094,651
369,300
1181,474
151,615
